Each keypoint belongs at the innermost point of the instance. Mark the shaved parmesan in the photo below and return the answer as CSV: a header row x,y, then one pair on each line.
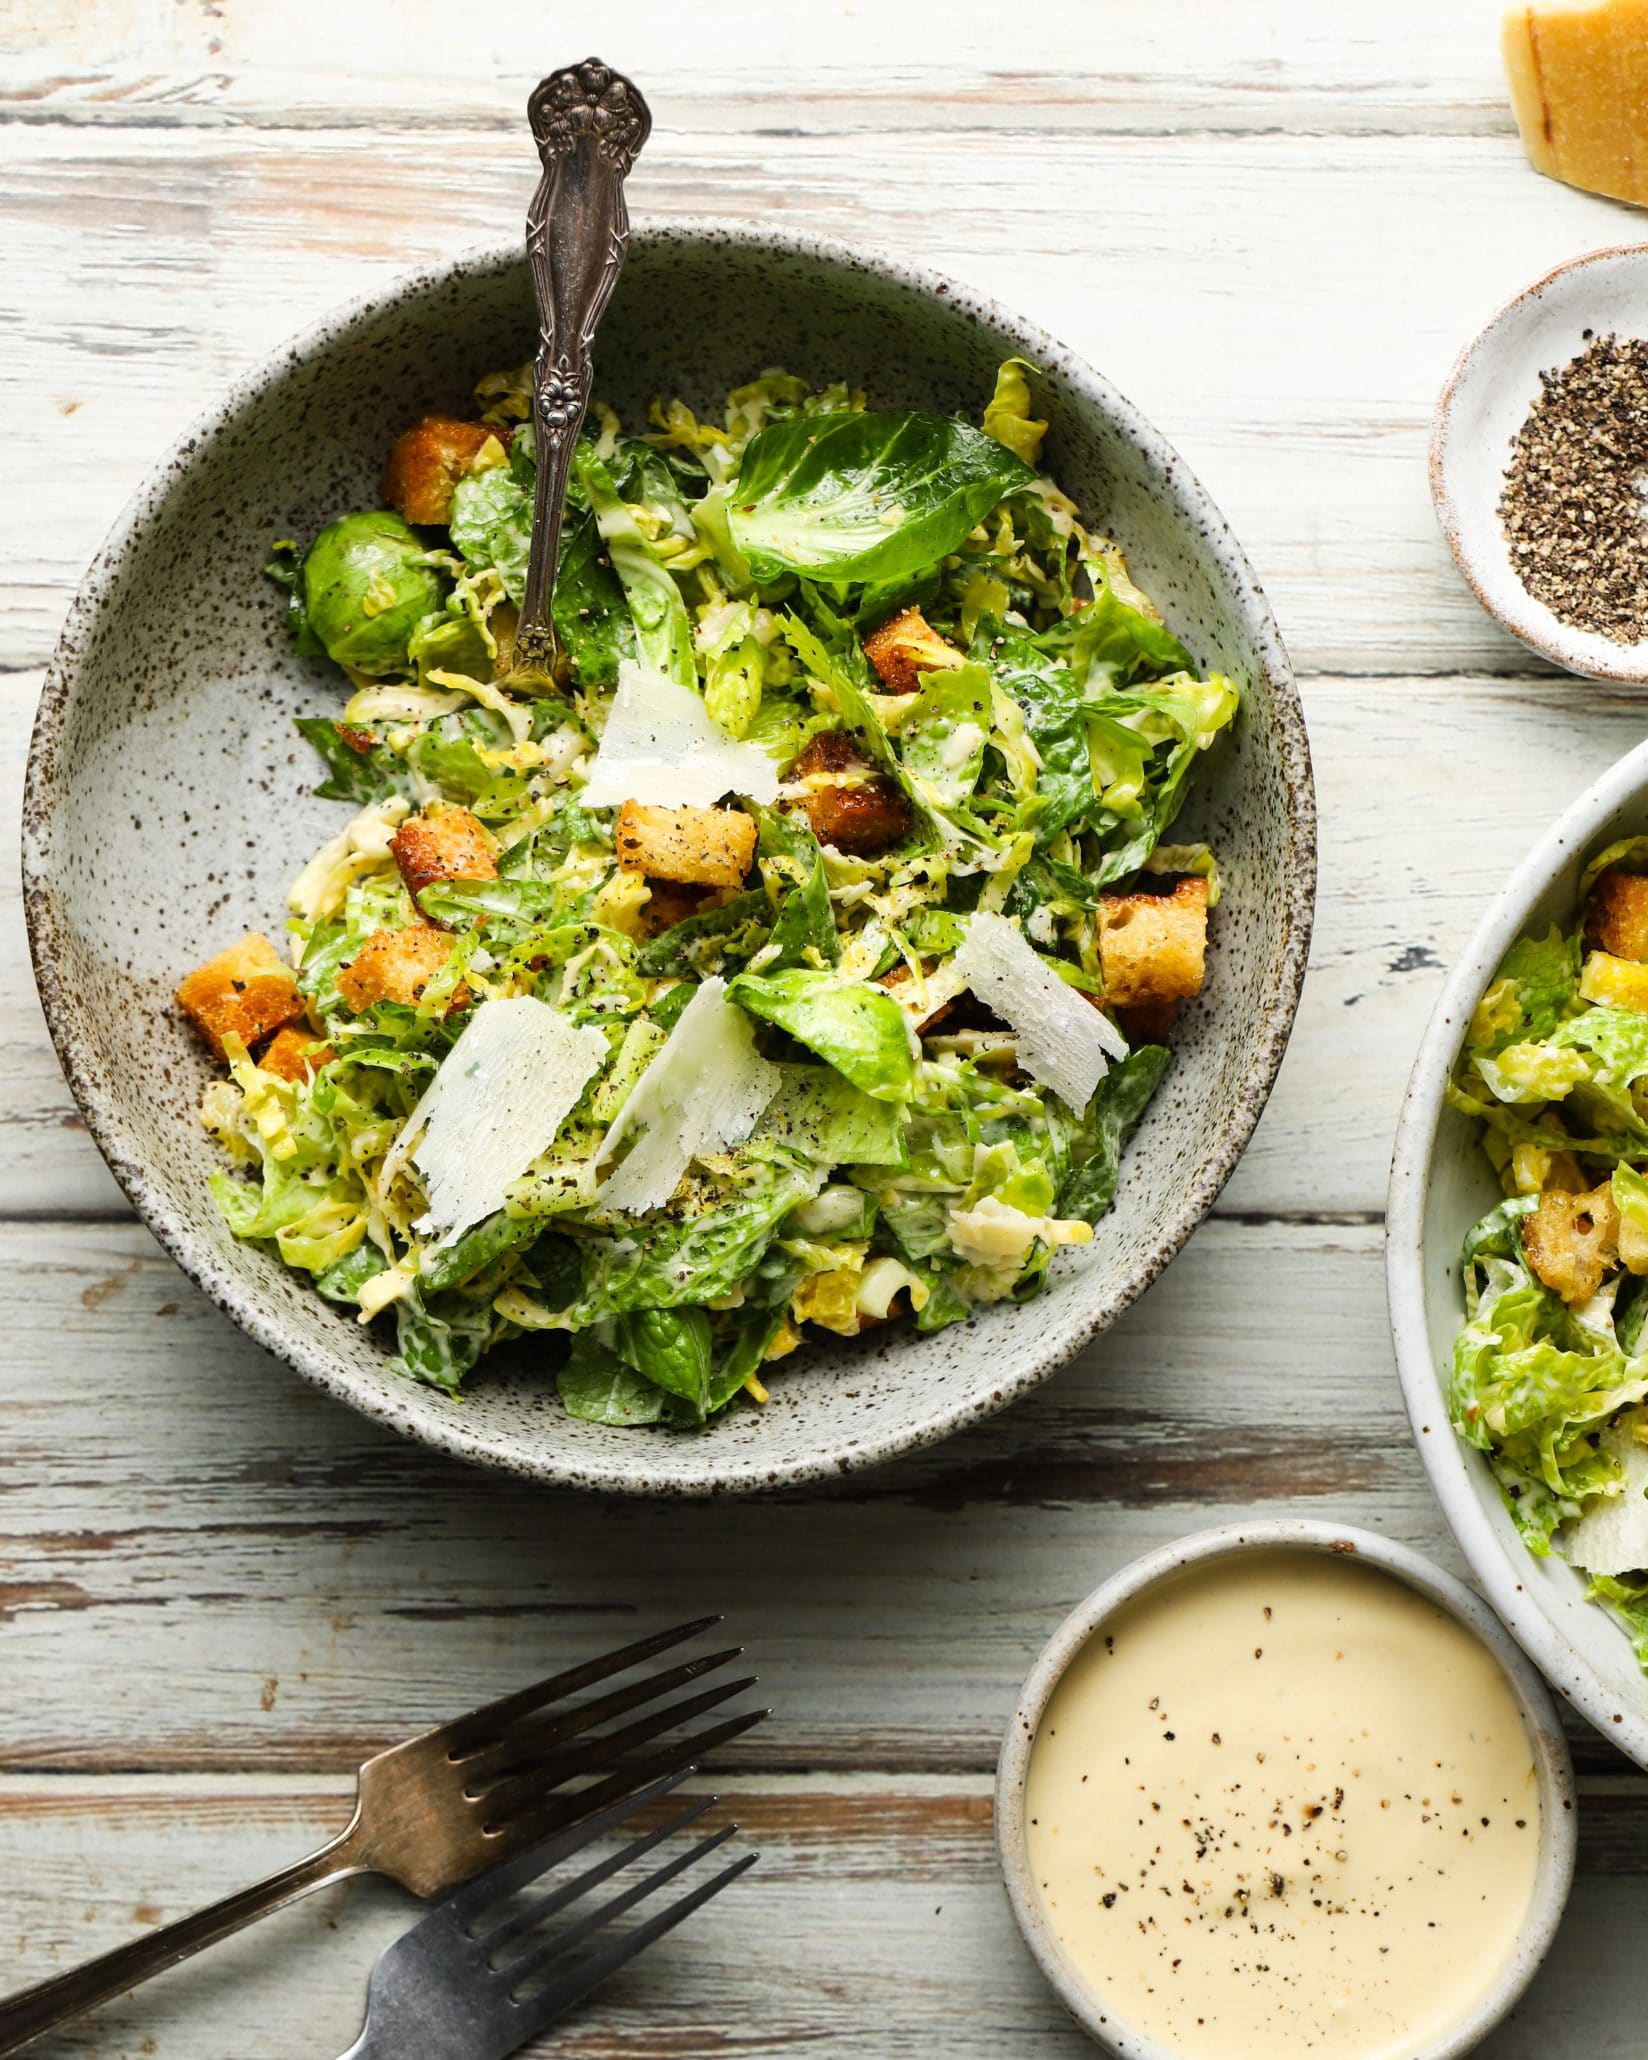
x,y
497,1100
1612,1536
704,1092
993,1231
661,745
1062,1039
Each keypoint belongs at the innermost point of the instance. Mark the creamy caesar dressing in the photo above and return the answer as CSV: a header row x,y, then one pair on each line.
x,y
1282,1803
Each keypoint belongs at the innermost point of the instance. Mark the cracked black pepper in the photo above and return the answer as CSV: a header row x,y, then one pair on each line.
x,y
1572,507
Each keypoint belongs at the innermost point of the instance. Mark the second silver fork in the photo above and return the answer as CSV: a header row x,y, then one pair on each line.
x,y
481,1974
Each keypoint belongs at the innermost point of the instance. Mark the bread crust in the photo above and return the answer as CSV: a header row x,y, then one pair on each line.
x,y
246,992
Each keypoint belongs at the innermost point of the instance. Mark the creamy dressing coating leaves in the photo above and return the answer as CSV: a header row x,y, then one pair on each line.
x,y
1551,1386
664,1234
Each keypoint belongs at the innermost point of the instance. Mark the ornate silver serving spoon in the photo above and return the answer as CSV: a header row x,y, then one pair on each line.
x,y
589,123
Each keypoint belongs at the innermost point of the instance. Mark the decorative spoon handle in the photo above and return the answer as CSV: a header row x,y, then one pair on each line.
x,y
589,123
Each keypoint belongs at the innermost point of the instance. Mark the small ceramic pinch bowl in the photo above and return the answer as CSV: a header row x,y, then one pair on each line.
x,y
1553,1766
1482,407
1441,1183
169,805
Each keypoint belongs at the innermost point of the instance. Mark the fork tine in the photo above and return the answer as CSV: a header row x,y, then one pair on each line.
x,y
464,1734
499,1755
531,1771
554,1809
622,1856
485,1892
575,1982
537,1957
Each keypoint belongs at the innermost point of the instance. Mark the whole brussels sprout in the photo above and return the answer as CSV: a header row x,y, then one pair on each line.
x,y
366,589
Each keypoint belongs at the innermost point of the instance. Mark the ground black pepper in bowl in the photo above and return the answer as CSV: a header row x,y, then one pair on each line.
x,y
1573,508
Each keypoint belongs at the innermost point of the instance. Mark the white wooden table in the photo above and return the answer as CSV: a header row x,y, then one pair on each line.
x,y
1272,225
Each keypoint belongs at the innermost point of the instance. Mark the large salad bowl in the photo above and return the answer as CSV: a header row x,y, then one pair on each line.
x,y
167,794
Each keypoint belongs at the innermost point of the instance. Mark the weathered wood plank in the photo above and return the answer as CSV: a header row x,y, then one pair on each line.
x,y
1238,292
1429,791
1428,794
276,1583
822,69
874,1917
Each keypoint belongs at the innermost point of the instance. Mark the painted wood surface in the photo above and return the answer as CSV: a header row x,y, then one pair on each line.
x,y
1273,226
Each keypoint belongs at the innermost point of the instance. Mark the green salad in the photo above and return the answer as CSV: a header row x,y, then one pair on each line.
x,y
796,959
1550,1372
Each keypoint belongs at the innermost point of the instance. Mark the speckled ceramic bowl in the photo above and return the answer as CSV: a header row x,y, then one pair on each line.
x,y
169,803
1553,1769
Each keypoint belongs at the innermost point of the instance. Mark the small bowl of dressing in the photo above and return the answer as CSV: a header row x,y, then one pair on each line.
x,y
1285,1787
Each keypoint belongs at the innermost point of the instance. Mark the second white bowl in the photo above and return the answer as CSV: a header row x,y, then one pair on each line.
x,y
1441,1184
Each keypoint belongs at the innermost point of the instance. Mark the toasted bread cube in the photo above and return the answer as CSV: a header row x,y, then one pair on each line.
x,y
1152,947
905,647
245,992
452,845
1616,915
1572,1241
849,801
396,965
427,462
898,977
704,847
294,1054
1616,983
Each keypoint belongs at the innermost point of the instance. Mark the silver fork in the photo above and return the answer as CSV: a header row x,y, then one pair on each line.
x,y
474,1980
435,1811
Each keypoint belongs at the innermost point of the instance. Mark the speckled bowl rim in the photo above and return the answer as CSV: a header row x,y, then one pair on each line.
x,y
1558,1829
83,1064
1497,1562
1530,629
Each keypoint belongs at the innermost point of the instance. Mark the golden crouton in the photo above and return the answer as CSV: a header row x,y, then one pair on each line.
x,y
450,846
244,992
1152,946
295,1054
905,647
1616,915
849,802
898,977
426,464
1572,1241
396,965
705,847
1616,983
